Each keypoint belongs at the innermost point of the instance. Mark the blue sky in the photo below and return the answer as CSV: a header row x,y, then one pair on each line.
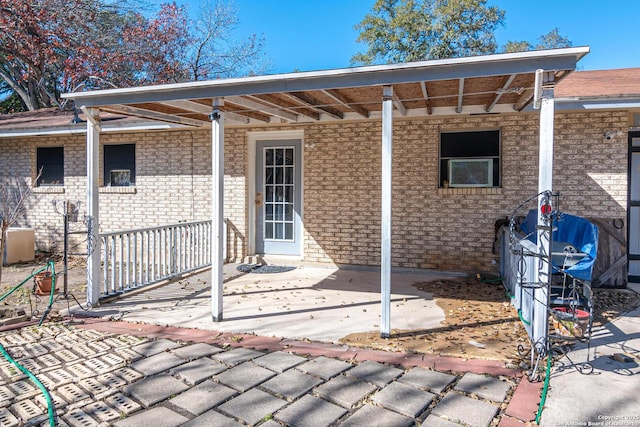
x,y
310,35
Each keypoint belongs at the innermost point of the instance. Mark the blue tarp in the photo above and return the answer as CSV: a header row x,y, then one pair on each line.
x,y
571,229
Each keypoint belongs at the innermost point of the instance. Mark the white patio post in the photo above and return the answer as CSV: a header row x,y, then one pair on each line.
x,y
545,183
217,207
387,185
93,205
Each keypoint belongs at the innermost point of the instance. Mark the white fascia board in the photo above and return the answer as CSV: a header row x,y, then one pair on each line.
x,y
82,129
443,69
593,103
597,103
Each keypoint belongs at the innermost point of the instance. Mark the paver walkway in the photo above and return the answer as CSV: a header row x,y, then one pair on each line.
x,y
101,373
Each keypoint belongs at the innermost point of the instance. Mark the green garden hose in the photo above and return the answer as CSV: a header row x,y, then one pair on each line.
x,y
36,381
53,291
23,282
544,390
526,322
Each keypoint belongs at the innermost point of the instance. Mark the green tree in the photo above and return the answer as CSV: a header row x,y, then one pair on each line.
x,y
53,46
48,47
413,30
551,40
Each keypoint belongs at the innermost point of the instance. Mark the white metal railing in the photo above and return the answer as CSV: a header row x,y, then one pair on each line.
x,y
135,258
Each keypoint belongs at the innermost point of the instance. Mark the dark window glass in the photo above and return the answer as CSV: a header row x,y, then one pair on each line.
x,y
119,165
50,164
469,145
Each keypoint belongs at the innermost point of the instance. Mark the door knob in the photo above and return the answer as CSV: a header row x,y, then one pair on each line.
x,y
258,199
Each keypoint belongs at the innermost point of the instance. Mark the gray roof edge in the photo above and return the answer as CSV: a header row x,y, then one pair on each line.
x,y
356,76
82,129
595,103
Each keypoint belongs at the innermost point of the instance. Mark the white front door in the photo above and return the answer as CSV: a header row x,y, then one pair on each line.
x,y
278,197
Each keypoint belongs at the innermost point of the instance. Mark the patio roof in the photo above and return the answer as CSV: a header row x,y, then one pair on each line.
x,y
476,85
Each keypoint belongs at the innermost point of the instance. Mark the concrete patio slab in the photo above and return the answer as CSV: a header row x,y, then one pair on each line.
x,y
151,390
375,373
370,415
345,391
203,397
212,418
433,381
244,376
291,384
195,351
157,417
252,406
237,356
483,386
317,303
402,398
157,363
279,361
311,411
324,367
198,370
465,410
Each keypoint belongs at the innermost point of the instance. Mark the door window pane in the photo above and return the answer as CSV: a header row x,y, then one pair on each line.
x,y
634,230
279,190
279,230
635,176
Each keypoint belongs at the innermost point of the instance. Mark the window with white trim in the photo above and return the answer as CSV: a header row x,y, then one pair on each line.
x,y
50,166
119,165
470,159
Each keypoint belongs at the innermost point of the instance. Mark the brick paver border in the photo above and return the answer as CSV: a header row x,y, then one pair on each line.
x,y
526,397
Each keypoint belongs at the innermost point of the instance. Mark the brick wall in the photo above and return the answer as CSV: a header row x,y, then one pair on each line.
x,y
173,182
451,229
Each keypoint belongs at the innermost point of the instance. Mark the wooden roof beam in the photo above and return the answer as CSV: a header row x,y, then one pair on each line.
x,y
460,95
250,104
196,107
346,101
425,95
525,98
153,115
500,92
191,106
301,111
312,103
398,104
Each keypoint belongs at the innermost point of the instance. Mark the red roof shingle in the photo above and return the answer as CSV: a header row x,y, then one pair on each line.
x,y
623,82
